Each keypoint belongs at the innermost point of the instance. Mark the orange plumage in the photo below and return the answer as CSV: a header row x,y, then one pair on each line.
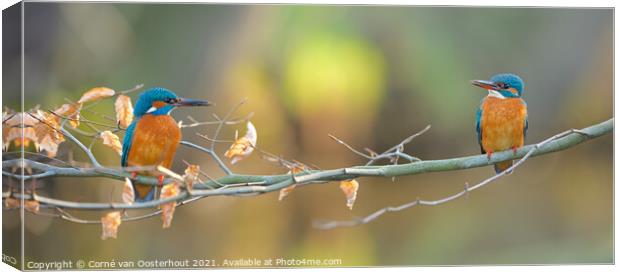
x,y
502,123
153,136
154,143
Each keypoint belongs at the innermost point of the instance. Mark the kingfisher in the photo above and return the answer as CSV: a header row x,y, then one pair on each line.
x,y
501,119
153,136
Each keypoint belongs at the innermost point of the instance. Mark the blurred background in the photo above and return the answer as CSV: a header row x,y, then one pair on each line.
x,y
371,75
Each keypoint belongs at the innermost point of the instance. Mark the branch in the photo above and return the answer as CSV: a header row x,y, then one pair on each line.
x,y
325,225
235,184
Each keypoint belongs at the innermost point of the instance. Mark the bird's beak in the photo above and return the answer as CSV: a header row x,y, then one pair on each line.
x,y
485,84
185,102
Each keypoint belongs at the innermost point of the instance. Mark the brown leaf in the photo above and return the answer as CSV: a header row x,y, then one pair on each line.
x,y
285,191
169,190
12,129
243,147
110,223
7,116
128,195
295,168
124,110
71,112
31,206
110,139
191,175
349,188
11,203
96,94
47,132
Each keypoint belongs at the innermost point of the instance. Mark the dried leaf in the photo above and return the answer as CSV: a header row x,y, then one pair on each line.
x,y
191,176
295,168
7,116
285,191
96,94
47,132
169,190
11,203
242,147
128,195
110,223
31,206
12,129
349,188
71,112
124,110
110,139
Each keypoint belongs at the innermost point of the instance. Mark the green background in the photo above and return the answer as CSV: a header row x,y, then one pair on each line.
x,y
370,75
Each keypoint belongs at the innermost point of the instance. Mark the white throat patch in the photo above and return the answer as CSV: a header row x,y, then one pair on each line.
x,y
494,93
152,109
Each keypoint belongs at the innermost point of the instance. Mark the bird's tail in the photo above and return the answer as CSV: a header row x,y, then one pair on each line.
x,y
500,167
143,193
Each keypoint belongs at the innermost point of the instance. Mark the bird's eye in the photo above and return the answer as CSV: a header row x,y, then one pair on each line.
x,y
503,85
170,100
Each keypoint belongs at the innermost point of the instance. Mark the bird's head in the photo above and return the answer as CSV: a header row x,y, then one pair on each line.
x,y
502,85
161,101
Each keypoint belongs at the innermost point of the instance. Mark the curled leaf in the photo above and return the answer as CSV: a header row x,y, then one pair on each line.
x,y
11,203
242,147
128,195
96,94
7,116
295,168
110,223
169,190
71,112
124,110
349,188
285,191
32,206
191,175
13,124
110,139
47,131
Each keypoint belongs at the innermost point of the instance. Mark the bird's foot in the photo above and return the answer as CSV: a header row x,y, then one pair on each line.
x,y
160,180
134,175
489,153
514,150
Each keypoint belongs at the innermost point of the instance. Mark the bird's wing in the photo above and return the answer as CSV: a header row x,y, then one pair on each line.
x,y
525,127
127,143
479,128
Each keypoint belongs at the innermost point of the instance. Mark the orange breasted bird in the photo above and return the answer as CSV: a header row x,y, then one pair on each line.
x,y
153,136
501,120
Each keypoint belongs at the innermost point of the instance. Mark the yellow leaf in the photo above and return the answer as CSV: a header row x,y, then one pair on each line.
x,y
243,147
191,175
124,110
128,195
11,203
110,223
110,139
349,188
285,191
31,206
71,112
96,94
168,191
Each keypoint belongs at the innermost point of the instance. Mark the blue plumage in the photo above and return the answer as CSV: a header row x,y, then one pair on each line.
x,y
163,135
